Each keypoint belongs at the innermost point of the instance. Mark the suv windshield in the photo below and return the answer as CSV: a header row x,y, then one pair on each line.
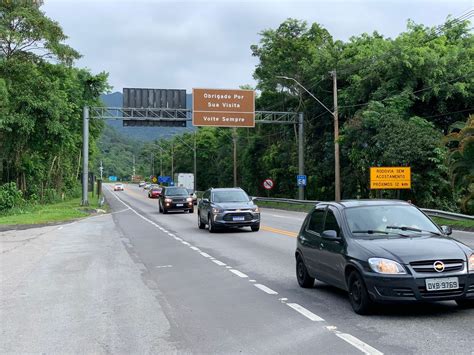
x,y
176,192
230,196
378,218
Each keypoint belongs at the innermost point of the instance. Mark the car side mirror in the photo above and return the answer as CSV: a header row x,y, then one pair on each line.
x,y
447,230
253,199
330,235
205,200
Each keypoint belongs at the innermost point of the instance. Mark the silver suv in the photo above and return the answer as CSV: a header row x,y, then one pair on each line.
x,y
227,207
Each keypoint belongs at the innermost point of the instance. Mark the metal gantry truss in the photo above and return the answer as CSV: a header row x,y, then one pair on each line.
x,y
172,114
180,117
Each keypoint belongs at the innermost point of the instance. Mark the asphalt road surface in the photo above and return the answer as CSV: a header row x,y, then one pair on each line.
x,y
236,291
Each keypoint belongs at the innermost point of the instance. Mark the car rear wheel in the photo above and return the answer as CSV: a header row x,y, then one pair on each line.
x,y
358,295
191,210
210,225
304,280
464,303
200,224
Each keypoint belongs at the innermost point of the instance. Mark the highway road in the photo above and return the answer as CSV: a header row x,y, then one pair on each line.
x,y
236,291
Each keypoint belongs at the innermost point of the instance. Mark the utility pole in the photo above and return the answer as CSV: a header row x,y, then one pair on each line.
x,y
133,169
195,163
301,188
161,162
152,158
101,169
172,161
337,166
85,155
234,139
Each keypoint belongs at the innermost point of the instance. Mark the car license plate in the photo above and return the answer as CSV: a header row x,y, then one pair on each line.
x,y
448,283
238,218
179,205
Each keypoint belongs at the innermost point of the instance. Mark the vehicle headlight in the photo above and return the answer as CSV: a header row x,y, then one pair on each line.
x,y
256,210
189,199
168,200
216,210
386,266
471,263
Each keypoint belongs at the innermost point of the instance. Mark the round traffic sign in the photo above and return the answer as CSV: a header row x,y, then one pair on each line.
x,y
268,184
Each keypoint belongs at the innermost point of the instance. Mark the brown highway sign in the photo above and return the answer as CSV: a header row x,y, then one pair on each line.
x,y
223,108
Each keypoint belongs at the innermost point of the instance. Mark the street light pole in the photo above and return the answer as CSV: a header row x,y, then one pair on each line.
x,y
337,180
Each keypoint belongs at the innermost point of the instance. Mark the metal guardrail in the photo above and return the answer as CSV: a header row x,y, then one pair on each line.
x,y
428,211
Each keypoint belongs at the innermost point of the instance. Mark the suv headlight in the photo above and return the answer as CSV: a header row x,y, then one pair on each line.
x,y
216,210
189,199
256,209
386,266
168,200
471,263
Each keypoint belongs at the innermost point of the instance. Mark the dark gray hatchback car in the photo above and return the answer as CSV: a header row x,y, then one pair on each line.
x,y
383,251
227,207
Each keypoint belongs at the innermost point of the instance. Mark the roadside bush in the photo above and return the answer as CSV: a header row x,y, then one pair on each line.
x,y
10,197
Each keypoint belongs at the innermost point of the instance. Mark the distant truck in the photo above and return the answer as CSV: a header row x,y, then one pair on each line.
x,y
185,180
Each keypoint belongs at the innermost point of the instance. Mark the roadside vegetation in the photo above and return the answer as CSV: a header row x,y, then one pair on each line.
x,y
402,102
41,99
50,213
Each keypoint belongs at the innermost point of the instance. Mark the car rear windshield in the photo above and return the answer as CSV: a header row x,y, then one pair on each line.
x,y
176,192
377,218
230,196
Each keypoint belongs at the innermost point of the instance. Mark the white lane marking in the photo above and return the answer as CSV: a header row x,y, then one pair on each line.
x,y
163,266
331,327
195,248
60,228
252,280
178,238
206,255
266,289
308,314
228,267
359,344
220,263
185,242
238,273
171,234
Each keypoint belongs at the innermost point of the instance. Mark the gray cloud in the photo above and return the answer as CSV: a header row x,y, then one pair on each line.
x,y
186,44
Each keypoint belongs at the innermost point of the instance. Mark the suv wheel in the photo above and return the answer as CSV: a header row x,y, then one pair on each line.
x,y
200,224
210,225
358,295
304,280
255,228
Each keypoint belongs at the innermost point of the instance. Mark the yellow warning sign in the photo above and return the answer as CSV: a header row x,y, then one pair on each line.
x,y
390,177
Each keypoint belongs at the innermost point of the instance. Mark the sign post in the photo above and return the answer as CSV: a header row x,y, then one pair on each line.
x,y
223,108
390,178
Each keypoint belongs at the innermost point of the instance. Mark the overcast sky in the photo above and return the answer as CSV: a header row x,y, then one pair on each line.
x,y
185,44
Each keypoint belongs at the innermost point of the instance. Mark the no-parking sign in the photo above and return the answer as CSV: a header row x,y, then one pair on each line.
x,y
268,184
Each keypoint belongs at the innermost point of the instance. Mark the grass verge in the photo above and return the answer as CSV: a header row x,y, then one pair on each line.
x,y
54,212
449,222
299,207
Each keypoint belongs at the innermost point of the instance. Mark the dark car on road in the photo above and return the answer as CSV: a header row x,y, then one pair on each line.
x,y
383,251
175,198
227,207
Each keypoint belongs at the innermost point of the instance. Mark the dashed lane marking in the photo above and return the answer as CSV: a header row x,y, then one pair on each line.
x,y
308,314
359,344
220,263
266,289
352,340
238,273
